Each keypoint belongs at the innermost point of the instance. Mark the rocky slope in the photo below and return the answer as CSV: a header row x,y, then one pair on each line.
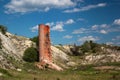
x,y
13,47
105,56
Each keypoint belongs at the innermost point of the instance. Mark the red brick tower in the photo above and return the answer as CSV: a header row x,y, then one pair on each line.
x,y
45,55
44,43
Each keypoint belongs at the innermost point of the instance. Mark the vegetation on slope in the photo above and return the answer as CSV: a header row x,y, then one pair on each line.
x,y
30,55
78,74
3,29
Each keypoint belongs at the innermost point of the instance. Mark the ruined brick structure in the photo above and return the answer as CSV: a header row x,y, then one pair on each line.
x,y
44,43
45,55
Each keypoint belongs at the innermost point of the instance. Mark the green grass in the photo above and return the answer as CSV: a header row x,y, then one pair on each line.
x,y
63,75
5,72
86,72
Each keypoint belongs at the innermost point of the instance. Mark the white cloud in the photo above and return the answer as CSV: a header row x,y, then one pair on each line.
x,y
50,24
103,31
109,43
94,27
70,21
117,21
86,8
34,29
79,31
88,38
67,36
23,6
58,27
104,26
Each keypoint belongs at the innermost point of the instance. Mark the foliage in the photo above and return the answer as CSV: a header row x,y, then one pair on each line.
x,y
3,29
36,40
90,46
30,55
64,75
76,50
5,72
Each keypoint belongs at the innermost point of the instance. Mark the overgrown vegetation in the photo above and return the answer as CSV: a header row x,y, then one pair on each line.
x,y
83,73
90,46
30,55
3,29
5,72
87,46
36,40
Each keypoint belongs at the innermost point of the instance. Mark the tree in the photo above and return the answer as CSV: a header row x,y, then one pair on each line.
x,y
3,29
36,40
90,46
30,55
86,46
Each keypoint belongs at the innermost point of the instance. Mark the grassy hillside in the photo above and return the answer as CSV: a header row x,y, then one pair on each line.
x,y
86,72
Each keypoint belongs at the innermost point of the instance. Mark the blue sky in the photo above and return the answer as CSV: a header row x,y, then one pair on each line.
x,y
71,21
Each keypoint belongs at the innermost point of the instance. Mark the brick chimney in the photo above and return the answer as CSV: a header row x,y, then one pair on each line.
x,y
44,43
45,55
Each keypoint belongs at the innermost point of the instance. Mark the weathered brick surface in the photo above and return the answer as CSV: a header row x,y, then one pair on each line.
x,y
45,55
44,43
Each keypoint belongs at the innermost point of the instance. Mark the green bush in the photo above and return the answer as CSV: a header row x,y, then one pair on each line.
x,y
30,55
5,72
90,46
3,29
36,40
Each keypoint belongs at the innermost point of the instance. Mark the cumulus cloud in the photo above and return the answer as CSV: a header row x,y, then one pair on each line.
x,y
103,31
23,6
94,27
34,28
50,24
58,27
79,31
117,22
103,28
70,21
86,8
55,26
88,38
67,36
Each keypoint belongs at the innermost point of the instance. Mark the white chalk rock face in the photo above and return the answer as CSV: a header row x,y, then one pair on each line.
x,y
12,49
58,54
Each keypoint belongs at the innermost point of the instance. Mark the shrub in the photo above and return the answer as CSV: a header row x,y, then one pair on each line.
x,y
3,29
90,46
5,72
36,40
30,55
